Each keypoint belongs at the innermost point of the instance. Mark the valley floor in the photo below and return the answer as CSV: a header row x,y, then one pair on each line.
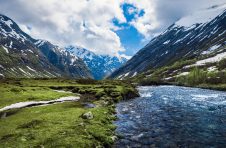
x,y
86,122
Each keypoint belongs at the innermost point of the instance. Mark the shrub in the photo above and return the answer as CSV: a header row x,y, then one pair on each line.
x,y
75,90
195,77
153,80
99,94
16,90
87,81
222,64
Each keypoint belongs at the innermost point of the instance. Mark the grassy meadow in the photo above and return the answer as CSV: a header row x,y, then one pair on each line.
x,y
62,124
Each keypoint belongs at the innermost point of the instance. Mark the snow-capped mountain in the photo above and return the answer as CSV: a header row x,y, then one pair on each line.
x,y
23,56
100,65
197,36
69,64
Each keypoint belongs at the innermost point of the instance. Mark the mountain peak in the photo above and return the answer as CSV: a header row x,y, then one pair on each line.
x,y
40,42
79,51
100,65
201,33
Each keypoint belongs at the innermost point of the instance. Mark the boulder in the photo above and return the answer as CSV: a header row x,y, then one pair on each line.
x,y
88,115
114,138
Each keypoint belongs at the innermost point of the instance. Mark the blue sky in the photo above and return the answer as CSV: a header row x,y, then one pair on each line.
x,y
130,38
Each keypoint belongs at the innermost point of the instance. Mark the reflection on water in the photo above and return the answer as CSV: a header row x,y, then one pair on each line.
x,y
171,116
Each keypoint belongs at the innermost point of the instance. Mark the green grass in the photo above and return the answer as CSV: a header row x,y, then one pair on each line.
x,y
57,125
221,87
12,94
196,77
60,125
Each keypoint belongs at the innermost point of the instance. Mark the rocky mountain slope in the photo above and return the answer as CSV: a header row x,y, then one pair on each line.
x,y
100,65
66,62
199,38
23,56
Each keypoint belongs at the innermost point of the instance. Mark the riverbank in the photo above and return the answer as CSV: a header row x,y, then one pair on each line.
x,y
86,122
220,87
185,73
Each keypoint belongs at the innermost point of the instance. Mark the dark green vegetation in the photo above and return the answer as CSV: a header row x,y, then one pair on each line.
x,y
186,73
60,125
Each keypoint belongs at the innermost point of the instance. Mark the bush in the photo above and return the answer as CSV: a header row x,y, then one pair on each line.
x,y
99,94
75,90
16,90
195,77
216,78
222,64
153,80
87,81
115,94
108,90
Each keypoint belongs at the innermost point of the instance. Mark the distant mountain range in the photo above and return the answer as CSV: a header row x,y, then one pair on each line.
x,y
100,65
199,39
22,56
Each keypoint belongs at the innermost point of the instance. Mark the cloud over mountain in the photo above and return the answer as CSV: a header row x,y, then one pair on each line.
x,y
89,23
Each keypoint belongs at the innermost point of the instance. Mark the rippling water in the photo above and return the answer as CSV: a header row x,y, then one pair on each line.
x,y
172,116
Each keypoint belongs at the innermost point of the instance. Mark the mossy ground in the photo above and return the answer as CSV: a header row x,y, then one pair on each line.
x,y
60,125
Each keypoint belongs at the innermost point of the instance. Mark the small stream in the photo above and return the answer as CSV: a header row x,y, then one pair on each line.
x,y
173,116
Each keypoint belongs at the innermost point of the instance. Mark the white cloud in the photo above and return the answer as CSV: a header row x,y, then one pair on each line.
x,y
148,21
125,56
88,23
159,14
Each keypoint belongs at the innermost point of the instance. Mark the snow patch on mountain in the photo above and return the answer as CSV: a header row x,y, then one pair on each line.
x,y
39,42
202,16
135,73
73,59
31,69
2,67
7,29
6,49
214,59
125,56
100,65
11,44
9,23
212,68
2,75
166,42
211,49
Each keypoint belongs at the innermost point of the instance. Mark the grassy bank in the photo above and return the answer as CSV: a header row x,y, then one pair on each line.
x,y
60,125
186,73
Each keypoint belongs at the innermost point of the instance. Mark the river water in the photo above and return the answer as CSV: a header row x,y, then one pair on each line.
x,y
173,116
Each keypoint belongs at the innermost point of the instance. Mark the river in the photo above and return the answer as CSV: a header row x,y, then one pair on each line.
x,y
172,116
